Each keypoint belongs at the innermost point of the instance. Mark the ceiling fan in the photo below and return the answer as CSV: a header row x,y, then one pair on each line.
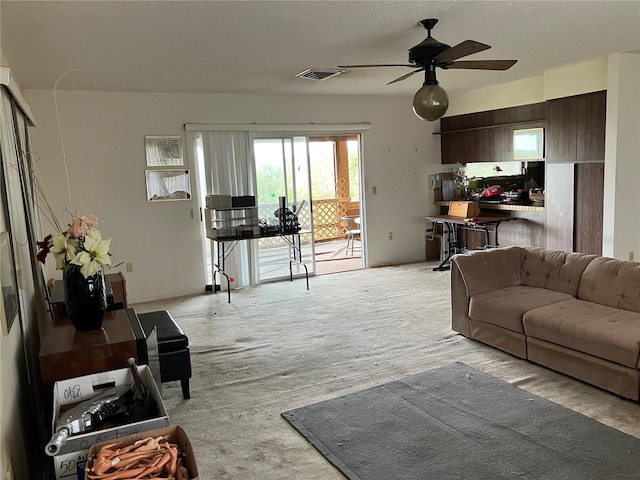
x,y
431,101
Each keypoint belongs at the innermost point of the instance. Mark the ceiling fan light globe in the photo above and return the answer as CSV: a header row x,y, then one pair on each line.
x,y
430,102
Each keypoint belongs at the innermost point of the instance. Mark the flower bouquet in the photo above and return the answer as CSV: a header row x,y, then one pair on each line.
x,y
81,253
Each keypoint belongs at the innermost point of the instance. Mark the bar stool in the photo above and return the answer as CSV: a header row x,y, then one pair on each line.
x,y
352,231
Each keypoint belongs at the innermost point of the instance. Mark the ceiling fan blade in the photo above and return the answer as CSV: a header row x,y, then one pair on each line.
x,y
482,65
461,50
399,79
379,65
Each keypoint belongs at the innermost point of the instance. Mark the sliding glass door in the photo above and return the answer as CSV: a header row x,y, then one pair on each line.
x,y
323,167
338,219
282,171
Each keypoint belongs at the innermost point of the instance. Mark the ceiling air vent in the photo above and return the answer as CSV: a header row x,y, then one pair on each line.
x,y
319,73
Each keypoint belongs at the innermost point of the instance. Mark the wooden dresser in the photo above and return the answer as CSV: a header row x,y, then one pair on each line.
x,y
67,353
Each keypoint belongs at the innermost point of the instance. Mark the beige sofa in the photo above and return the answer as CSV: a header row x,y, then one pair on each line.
x,y
577,314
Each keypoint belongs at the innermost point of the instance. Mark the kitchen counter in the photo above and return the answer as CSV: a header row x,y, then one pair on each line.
x,y
528,230
501,206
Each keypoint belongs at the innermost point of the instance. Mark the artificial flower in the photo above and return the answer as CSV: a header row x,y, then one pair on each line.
x,y
44,248
94,255
63,248
80,224
81,245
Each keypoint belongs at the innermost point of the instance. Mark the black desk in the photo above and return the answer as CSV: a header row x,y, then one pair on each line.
x,y
488,223
293,239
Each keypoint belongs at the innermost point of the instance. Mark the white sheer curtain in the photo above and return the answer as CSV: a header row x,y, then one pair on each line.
x,y
230,170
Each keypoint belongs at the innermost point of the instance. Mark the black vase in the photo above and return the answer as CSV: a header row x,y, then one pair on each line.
x,y
85,299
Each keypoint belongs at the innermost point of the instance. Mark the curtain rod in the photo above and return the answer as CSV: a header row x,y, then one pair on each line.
x,y
278,127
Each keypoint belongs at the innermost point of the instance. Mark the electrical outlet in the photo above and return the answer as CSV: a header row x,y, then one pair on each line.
x,y
374,190
632,255
390,235
129,267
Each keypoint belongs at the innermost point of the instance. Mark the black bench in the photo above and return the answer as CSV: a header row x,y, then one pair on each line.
x,y
173,348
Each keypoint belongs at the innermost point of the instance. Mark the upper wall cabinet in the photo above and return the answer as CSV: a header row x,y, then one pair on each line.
x,y
486,136
576,128
493,144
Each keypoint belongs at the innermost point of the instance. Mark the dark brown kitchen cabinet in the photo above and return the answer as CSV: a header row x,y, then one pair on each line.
x,y
482,145
457,147
591,127
589,208
501,144
576,128
486,136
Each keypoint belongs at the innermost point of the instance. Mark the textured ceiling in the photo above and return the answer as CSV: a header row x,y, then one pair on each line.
x,y
258,46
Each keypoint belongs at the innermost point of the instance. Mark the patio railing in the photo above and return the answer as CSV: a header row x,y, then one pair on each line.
x,y
327,214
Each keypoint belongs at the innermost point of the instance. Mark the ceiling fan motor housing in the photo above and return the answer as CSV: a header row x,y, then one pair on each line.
x,y
424,53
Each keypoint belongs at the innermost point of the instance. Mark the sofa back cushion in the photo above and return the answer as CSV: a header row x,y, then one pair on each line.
x,y
486,270
611,282
553,269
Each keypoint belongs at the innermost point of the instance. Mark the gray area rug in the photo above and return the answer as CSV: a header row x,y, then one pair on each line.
x,y
456,422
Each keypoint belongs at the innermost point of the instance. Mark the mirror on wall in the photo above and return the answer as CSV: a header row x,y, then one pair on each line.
x,y
528,144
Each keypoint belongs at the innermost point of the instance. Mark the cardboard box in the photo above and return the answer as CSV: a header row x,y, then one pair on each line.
x,y
176,435
67,393
464,209
70,466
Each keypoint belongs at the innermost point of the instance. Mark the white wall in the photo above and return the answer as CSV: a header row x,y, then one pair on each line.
x,y
512,94
621,226
576,79
103,134
562,82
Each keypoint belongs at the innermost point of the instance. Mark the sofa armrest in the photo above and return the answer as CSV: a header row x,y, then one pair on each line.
x,y
486,270
459,303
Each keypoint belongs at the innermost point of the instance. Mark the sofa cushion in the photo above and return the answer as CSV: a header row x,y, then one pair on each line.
x,y
553,270
604,332
486,270
615,283
505,307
